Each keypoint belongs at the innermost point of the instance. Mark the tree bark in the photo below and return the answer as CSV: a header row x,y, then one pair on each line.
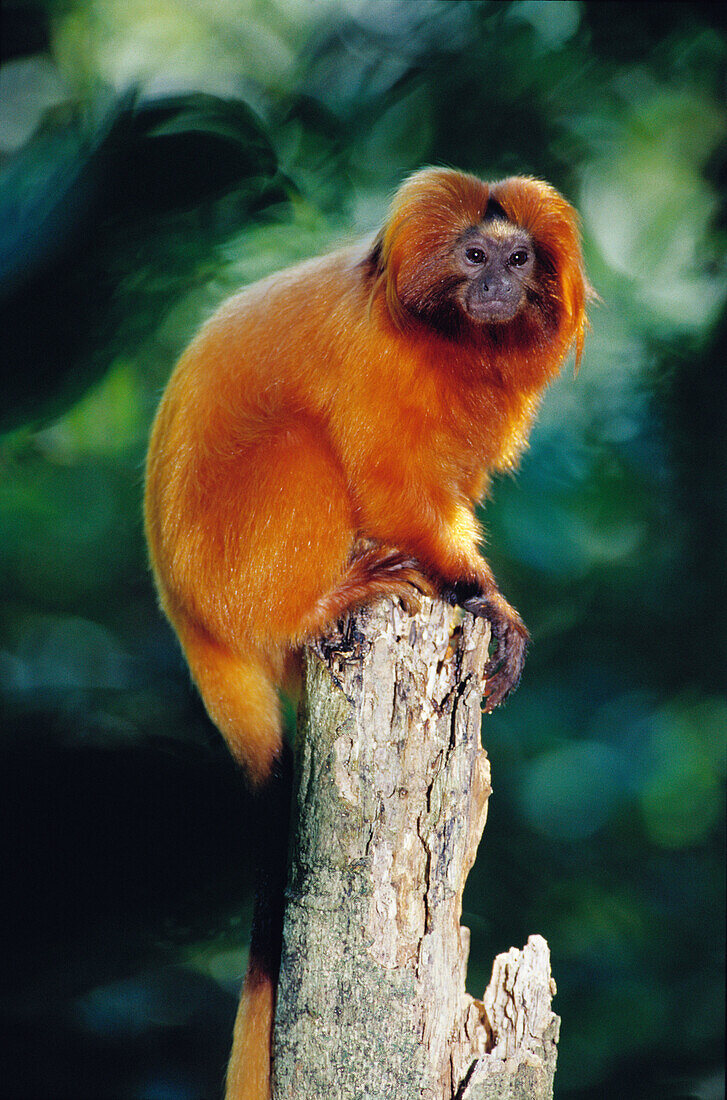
x,y
392,785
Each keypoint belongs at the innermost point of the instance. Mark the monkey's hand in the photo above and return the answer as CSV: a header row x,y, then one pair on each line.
x,y
509,633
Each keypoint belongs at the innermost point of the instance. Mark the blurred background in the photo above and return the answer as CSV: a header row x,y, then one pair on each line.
x,y
154,156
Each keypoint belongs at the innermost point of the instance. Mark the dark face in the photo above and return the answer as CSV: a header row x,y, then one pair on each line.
x,y
496,261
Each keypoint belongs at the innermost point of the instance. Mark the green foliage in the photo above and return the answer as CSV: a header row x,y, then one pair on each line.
x,y
152,159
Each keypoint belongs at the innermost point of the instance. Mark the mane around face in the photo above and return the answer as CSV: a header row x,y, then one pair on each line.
x,y
431,212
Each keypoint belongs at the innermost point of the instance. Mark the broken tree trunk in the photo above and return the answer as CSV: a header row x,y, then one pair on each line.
x,y
392,785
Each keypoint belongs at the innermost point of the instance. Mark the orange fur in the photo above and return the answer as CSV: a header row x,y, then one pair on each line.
x,y
248,1074
324,439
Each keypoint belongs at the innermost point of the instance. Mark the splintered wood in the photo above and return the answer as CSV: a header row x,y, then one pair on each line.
x,y
391,800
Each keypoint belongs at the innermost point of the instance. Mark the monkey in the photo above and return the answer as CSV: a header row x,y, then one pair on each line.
x,y
325,439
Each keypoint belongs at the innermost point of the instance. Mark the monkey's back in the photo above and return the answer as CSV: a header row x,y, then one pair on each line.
x,y
244,485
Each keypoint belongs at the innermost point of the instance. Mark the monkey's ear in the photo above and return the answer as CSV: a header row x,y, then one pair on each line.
x,y
375,256
384,280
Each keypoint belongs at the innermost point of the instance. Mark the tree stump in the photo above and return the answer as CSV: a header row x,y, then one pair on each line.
x,y
390,801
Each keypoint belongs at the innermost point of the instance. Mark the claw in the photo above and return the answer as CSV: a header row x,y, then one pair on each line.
x,y
503,670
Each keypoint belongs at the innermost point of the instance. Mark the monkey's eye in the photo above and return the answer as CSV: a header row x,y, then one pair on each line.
x,y
475,255
518,258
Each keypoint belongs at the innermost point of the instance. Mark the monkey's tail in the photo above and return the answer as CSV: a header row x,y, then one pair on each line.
x,y
240,694
248,1073
239,691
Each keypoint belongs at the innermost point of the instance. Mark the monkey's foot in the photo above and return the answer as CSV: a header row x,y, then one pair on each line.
x,y
504,668
393,573
374,570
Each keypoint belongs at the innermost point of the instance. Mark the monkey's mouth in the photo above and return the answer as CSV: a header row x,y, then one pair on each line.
x,y
491,311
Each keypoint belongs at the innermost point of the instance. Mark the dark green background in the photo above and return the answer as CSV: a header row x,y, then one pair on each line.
x,y
156,155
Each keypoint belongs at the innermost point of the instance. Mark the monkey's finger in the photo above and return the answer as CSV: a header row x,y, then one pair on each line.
x,y
495,693
492,666
497,689
410,600
402,567
503,671
497,657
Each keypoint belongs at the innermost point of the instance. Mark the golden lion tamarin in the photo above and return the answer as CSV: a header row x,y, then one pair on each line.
x,y
325,439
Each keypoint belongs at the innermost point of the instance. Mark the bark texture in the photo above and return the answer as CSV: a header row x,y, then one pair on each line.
x,y
392,788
